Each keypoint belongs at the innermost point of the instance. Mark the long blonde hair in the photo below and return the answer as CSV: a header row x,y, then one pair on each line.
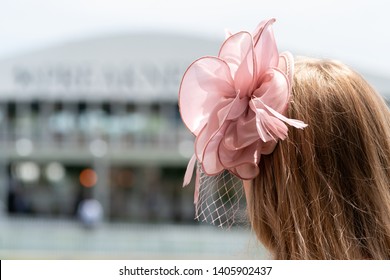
x,y
324,193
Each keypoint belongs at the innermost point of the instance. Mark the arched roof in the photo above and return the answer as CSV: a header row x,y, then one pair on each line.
x,y
136,67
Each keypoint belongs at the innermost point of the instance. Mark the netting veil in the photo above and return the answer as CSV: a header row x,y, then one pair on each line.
x,y
221,199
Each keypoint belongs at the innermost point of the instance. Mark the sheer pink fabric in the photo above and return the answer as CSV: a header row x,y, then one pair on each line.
x,y
235,103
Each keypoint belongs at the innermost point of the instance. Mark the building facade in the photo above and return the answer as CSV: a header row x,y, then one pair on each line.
x,y
98,119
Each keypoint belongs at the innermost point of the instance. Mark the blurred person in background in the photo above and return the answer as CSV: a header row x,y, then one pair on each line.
x,y
90,212
15,198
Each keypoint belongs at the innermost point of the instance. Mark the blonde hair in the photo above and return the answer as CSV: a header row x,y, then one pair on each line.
x,y
324,193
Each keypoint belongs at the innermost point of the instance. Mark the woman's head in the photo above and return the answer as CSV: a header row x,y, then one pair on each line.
x,y
320,193
324,193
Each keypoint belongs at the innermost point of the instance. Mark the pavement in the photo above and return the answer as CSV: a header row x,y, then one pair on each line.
x,y
48,238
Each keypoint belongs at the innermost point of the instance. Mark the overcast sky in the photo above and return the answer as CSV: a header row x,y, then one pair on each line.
x,y
354,31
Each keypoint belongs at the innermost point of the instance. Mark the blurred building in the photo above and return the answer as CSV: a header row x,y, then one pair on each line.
x,y
98,119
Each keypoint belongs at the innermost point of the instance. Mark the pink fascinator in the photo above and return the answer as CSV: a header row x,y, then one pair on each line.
x,y
235,105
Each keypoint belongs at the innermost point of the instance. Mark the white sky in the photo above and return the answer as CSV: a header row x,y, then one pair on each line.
x,y
354,31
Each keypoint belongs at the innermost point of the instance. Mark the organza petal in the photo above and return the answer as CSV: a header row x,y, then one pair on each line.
x,y
237,51
259,28
222,112
206,82
242,132
208,140
274,91
230,159
215,121
211,159
266,51
246,171
237,108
